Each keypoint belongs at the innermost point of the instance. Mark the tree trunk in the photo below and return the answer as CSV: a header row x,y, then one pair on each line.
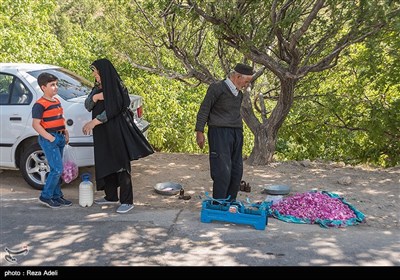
x,y
266,134
264,148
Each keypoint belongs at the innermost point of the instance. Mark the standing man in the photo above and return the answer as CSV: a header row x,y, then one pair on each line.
x,y
220,109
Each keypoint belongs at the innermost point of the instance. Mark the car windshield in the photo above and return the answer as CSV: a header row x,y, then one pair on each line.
x,y
70,85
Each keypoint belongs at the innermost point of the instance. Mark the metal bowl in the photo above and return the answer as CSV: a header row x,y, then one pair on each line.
x,y
167,188
277,189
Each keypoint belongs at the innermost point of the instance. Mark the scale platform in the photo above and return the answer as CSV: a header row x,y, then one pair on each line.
x,y
237,212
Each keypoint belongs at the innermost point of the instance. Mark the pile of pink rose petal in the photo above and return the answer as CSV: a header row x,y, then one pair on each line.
x,y
316,207
70,171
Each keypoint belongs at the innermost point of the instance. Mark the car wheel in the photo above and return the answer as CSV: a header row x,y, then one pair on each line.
x,y
34,166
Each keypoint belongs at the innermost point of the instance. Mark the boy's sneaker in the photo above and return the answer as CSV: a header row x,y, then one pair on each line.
x,y
49,202
124,208
103,201
63,201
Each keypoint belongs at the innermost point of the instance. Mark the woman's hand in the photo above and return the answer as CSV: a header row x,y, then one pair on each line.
x,y
88,127
98,96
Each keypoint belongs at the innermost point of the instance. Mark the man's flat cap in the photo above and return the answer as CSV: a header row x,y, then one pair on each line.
x,y
244,69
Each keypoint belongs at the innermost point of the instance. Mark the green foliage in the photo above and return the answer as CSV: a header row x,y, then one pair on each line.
x,y
350,113
74,22
26,35
356,120
171,108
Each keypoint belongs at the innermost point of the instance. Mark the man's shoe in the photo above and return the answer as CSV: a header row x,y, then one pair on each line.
x,y
247,188
242,186
124,208
63,201
49,202
103,201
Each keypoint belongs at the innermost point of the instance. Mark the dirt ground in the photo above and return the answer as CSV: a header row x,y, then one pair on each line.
x,y
374,192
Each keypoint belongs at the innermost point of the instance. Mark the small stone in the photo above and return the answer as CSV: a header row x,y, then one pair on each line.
x,y
345,180
305,163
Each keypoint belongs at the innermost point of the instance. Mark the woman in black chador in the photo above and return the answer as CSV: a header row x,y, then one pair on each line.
x,y
117,140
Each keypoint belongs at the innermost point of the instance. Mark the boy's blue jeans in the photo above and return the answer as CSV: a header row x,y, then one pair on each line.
x,y
54,155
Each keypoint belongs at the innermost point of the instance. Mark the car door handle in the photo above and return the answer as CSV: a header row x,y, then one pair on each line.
x,y
15,118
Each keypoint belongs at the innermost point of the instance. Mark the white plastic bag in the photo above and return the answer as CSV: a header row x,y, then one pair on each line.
x,y
274,198
70,169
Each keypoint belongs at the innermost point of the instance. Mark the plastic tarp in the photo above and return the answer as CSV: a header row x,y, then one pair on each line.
x,y
357,218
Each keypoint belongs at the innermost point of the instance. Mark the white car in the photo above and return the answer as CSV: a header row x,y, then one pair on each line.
x,y
19,90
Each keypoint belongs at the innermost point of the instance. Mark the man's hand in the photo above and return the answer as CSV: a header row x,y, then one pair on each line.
x,y
200,139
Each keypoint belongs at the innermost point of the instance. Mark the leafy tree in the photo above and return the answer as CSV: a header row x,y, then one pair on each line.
x,y
197,42
54,32
351,114
26,35
75,25
289,38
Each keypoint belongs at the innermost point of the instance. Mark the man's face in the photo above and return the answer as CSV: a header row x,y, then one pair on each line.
x,y
243,81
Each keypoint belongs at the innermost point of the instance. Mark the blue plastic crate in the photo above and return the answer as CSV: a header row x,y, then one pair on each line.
x,y
237,212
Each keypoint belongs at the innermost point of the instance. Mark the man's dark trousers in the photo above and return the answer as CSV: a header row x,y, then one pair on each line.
x,y
226,161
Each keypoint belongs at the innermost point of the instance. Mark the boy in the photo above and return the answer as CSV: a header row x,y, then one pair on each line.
x,y
49,122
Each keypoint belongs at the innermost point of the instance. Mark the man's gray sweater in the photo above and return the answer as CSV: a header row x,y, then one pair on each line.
x,y
220,108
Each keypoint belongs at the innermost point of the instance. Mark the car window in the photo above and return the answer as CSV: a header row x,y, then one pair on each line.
x,y
13,91
20,95
70,85
5,82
